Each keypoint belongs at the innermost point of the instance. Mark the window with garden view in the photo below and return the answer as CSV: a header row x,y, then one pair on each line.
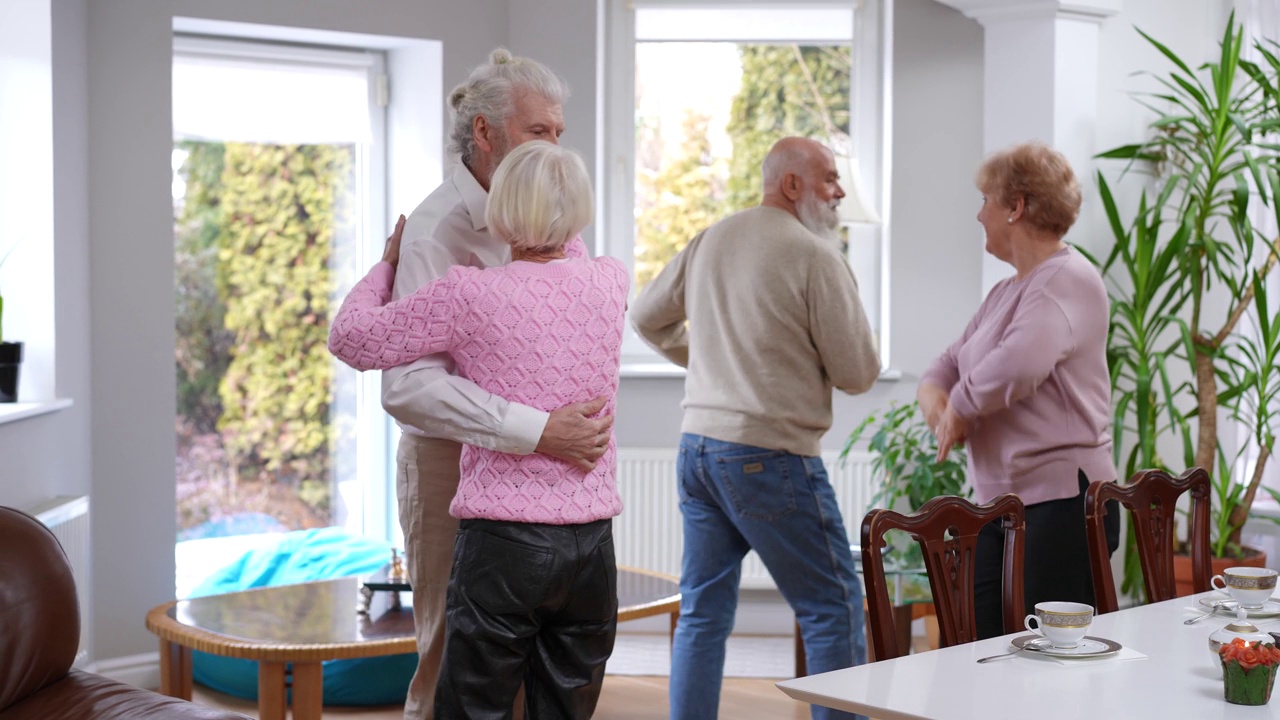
x,y
700,94
699,143
274,159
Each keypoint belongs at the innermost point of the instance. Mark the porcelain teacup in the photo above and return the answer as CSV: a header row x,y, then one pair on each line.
x,y
1062,623
1248,586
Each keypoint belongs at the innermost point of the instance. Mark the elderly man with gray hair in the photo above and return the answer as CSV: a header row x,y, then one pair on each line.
x,y
505,102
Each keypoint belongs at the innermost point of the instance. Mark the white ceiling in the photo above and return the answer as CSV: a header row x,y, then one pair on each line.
x,y
979,8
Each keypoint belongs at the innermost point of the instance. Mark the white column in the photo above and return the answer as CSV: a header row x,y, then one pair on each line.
x,y
1040,82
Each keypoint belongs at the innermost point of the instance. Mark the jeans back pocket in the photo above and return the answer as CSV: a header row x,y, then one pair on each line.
x,y
759,484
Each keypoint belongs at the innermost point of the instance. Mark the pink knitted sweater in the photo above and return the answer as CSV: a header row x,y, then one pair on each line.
x,y
544,335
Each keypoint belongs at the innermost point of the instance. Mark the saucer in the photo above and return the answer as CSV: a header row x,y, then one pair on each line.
x,y
1088,647
1269,609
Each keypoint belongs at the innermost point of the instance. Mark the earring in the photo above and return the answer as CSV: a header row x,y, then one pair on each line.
x,y
1010,221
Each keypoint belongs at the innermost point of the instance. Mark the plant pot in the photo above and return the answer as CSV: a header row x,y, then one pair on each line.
x,y
10,362
1247,687
1253,557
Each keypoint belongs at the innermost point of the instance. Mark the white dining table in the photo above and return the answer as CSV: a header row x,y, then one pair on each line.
x,y
1175,679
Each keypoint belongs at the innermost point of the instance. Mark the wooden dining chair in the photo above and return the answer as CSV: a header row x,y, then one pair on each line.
x,y
1151,497
947,530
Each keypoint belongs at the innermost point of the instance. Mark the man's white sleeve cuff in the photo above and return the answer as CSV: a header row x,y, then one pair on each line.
x,y
522,429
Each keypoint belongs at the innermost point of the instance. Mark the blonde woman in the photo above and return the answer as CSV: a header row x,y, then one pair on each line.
x,y
533,592
1026,385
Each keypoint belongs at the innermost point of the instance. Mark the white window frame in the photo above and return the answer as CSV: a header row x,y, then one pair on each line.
x,y
870,107
375,434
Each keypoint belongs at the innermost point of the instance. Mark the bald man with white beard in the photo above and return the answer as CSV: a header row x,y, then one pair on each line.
x,y
763,310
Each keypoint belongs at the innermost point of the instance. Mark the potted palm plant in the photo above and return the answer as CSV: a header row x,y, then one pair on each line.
x,y
1191,331
10,352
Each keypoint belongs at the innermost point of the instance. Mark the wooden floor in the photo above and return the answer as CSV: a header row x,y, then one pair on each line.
x,y
623,698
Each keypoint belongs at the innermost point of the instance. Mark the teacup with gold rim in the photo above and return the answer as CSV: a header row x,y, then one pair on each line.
x,y
1249,586
1062,623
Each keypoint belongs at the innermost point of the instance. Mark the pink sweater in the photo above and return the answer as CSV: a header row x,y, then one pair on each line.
x,y
1029,375
544,335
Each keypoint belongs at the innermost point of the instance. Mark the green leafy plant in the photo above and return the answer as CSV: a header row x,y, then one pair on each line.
x,y
1188,268
906,465
1254,367
906,458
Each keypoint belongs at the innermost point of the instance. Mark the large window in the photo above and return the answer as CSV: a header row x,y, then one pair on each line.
x,y
278,194
696,94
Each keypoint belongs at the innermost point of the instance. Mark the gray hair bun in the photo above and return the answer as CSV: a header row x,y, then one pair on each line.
x,y
500,56
457,96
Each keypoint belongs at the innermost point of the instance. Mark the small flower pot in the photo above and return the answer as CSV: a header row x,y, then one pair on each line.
x,y
1247,687
10,362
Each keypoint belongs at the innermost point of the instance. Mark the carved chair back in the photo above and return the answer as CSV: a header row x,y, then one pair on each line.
x,y
1150,497
947,530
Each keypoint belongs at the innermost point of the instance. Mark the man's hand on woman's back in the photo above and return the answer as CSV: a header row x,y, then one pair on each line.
x,y
574,436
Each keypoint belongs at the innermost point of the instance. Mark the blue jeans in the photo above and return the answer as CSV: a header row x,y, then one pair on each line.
x,y
736,498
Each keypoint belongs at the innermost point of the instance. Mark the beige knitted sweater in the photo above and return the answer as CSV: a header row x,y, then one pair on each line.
x,y
773,323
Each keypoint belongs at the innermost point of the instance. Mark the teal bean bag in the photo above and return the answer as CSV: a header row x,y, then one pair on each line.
x,y
305,556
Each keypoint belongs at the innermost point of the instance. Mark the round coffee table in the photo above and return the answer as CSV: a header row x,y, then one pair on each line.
x,y
290,630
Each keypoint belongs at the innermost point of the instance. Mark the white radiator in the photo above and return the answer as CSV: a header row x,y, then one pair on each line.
x,y
68,518
648,534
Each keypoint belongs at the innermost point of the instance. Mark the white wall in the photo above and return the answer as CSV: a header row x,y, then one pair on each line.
x,y
562,34
26,189
110,65
49,455
71,230
937,241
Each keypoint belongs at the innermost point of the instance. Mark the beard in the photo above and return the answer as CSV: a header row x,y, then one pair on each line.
x,y
821,219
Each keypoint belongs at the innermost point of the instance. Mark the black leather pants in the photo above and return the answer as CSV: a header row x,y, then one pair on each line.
x,y
528,603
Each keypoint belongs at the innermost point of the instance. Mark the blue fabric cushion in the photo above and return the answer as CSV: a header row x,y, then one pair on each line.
x,y
305,556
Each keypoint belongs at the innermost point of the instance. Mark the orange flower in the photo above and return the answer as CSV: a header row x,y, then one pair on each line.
x,y
1249,654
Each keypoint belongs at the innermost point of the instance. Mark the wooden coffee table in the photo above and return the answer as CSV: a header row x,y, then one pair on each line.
x,y
290,630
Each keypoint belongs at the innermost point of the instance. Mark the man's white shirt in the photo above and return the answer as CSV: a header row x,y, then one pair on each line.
x,y
426,398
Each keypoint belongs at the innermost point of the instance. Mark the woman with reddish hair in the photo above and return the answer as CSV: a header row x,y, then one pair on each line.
x,y
1026,385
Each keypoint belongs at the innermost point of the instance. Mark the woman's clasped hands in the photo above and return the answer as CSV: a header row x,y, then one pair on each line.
x,y
948,428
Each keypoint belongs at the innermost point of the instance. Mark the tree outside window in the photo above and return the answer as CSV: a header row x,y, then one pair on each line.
x,y
700,142
255,234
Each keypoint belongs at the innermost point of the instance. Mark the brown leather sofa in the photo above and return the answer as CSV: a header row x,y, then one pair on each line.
x,y
39,635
